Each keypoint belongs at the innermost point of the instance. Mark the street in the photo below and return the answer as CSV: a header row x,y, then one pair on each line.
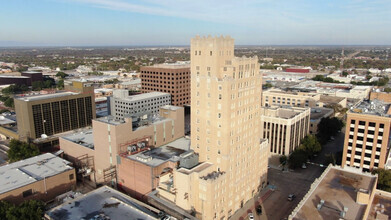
x,y
275,204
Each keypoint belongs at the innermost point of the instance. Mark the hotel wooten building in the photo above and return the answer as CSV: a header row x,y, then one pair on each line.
x,y
225,120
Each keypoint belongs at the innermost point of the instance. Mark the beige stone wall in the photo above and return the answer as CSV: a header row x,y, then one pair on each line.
x,y
226,98
284,134
46,189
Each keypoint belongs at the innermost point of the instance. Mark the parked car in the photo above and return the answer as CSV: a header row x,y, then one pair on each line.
x,y
303,166
259,209
250,216
291,197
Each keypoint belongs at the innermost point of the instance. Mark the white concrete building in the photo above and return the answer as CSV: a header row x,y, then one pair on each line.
x,y
122,105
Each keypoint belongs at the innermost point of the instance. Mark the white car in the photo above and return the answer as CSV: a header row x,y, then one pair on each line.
x,y
250,216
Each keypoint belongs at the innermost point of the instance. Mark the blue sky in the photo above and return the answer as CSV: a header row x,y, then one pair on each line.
x,y
174,22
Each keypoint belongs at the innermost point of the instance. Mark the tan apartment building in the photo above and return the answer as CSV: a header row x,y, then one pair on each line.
x,y
367,135
273,97
45,115
41,177
226,97
284,127
169,78
97,150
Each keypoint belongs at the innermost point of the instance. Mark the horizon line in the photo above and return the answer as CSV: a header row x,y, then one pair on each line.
x,y
188,46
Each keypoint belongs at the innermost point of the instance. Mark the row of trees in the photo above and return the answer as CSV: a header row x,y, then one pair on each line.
x,y
325,79
30,209
312,144
309,146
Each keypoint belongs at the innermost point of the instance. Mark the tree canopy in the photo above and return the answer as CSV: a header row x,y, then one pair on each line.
x,y
310,145
39,85
297,158
384,179
30,209
21,150
328,127
14,89
62,75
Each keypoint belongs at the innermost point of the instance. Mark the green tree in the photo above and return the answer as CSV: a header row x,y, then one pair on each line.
x,y
388,89
13,89
384,179
328,127
37,85
3,110
60,84
62,75
4,207
9,102
297,158
30,209
345,73
21,150
310,145
268,85
47,84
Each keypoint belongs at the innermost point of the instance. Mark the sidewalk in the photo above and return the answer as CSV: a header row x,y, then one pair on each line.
x,y
252,203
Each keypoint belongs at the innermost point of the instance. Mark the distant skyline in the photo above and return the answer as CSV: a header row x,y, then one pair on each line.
x,y
174,22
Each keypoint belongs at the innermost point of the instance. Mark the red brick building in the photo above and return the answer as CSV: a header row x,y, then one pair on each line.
x,y
169,78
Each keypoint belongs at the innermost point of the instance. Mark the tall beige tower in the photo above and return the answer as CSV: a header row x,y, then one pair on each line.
x,y
225,121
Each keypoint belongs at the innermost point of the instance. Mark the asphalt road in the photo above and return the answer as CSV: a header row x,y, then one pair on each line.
x,y
297,182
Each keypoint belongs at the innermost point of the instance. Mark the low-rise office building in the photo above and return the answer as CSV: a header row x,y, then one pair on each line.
x,y
277,97
141,172
96,151
41,177
284,127
123,105
367,135
45,115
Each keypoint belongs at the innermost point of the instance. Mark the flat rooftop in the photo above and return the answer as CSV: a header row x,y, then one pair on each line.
x,y
141,97
25,172
330,99
381,206
372,107
11,76
318,113
283,112
103,203
338,188
45,96
143,123
84,138
160,155
171,65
